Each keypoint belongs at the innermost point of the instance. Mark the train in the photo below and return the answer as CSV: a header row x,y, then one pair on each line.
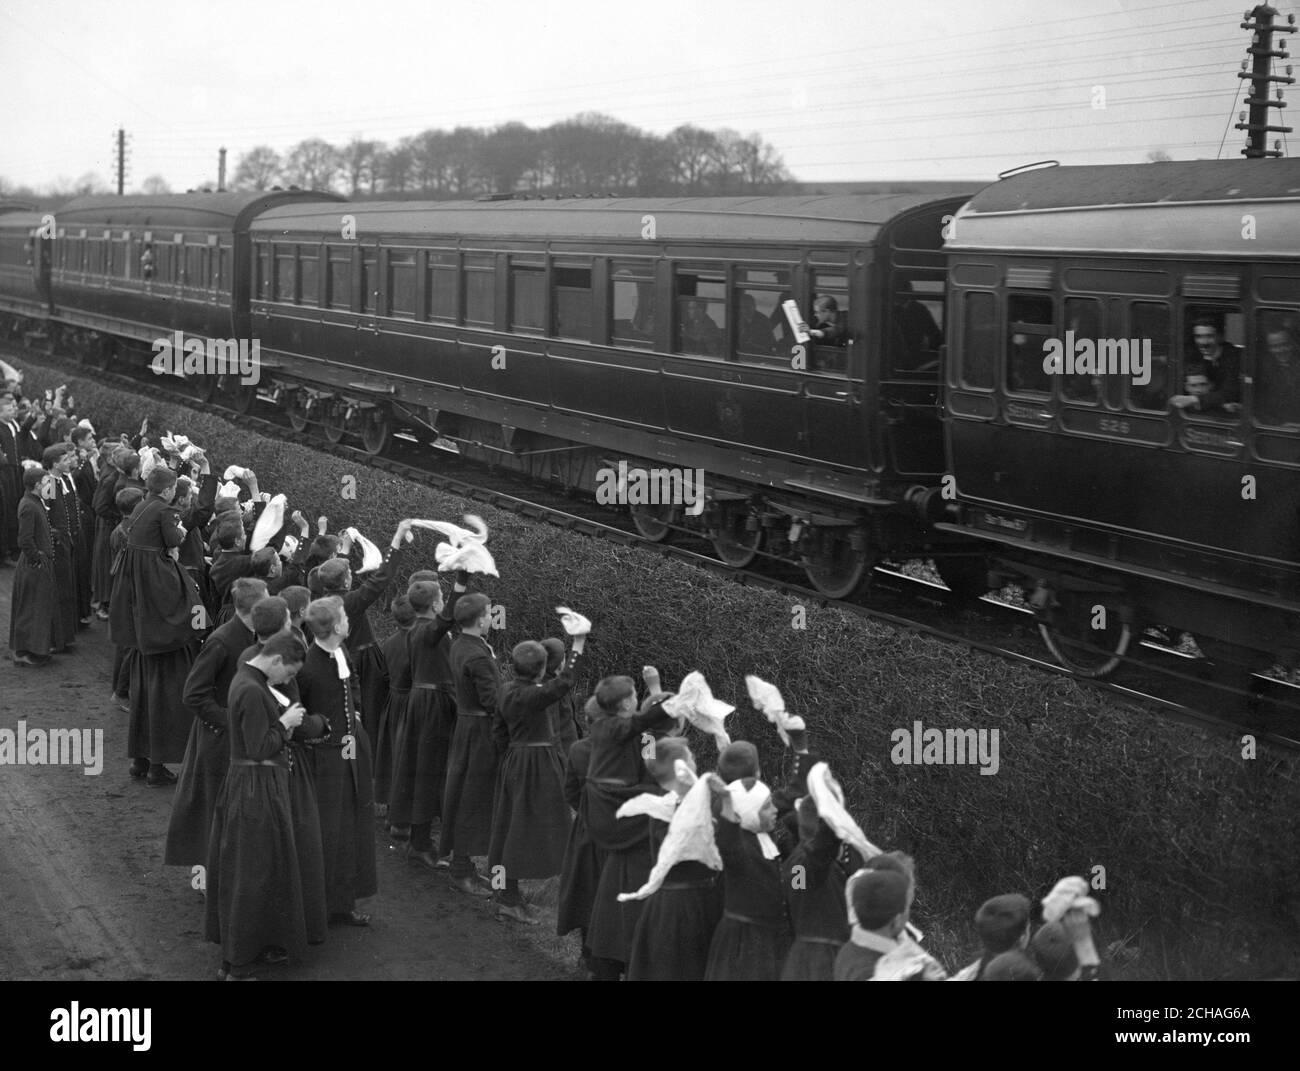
x,y
855,378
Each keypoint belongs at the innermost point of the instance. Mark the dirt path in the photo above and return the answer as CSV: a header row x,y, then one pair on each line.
x,y
86,895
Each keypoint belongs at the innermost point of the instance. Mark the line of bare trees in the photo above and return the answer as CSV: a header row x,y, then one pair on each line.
x,y
587,154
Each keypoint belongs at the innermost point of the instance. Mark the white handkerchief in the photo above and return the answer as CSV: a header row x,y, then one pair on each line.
x,y
770,850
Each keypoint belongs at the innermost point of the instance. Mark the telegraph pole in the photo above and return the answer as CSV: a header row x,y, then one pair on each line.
x,y
121,161
221,172
1260,20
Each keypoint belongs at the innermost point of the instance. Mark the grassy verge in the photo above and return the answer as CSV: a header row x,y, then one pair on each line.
x,y
1190,845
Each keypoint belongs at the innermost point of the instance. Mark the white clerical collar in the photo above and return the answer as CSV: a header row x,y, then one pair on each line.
x,y
340,660
867,939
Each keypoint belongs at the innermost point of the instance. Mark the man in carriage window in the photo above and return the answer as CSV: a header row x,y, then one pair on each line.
x,y
917,337
1277,382
1201,395
1222,364
754,329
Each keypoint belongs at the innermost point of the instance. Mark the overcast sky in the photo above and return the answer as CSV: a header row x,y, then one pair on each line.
x,y
845,89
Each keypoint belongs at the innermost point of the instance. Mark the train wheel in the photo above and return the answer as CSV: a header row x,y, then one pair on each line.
x,y
734,543
1086,632
297,411
332,421
376,430
653,522
967,578
833,566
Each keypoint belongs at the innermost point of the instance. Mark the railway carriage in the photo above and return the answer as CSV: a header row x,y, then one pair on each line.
x,y
1115,506
564,338
112,274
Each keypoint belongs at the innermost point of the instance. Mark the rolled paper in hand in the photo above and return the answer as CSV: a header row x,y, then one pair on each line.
x,y
574,623
235,472
270,522
371,556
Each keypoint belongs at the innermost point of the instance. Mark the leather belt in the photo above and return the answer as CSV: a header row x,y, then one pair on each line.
x,y
767,924
834,942
614,782
258,762
471,713
677,886
435,688
533,744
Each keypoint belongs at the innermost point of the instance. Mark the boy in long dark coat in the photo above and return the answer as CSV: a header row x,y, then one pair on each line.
x,y
583,859
62,510
398,661
155,608
103,506
336,579
255,895
673,935
125,503
15,444
530,820
564,715
34,625
422,732
271,617
617,773
472,761
207,754
341,764
814,877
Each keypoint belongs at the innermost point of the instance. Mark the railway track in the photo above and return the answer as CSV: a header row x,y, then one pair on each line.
x,y
1163,681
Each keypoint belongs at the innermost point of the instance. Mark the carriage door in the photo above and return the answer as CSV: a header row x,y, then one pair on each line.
x,y
909,374
41,268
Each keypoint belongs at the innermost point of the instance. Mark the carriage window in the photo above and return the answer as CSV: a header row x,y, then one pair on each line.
x,y
1277,368
283,273
196,262
480,289
369,280
527,298
338,279
761,326
701,313
632,304
401,284
1149,322
1083,317
916,328
264,273
441,286
96,256
829,312
309,278
1030,323
1212,367
572,302
979,340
